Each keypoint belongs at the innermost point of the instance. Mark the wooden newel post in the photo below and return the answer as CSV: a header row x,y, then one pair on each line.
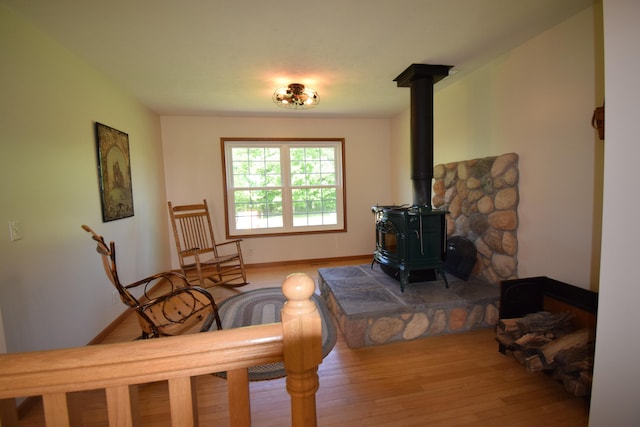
x,y
302,336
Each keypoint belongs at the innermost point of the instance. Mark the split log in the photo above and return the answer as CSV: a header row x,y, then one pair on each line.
x,y
578,338
508,325
577,383
545,321
578,366
507,339
520,356
574,355
534,339
535,364
547,342
576,387
517,340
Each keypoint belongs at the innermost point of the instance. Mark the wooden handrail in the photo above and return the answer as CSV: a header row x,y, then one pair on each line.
x,y
119,367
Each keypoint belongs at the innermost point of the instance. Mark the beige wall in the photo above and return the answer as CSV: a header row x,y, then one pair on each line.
x,y
536,101
616,376
402,189
193,168
53,291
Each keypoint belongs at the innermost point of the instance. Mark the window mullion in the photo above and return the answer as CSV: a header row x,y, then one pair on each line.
x,y
287,204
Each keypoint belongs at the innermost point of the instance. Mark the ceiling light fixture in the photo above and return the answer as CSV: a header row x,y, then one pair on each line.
x,y
296,95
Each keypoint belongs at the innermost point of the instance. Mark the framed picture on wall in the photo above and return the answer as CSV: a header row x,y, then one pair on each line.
x,y
114,169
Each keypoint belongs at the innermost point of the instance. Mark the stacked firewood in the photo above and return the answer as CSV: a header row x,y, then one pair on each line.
x,y
547,342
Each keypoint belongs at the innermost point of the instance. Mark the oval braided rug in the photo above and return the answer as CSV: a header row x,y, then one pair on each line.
x,y
262,306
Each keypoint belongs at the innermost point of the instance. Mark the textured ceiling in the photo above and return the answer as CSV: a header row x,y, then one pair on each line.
x,y
226,57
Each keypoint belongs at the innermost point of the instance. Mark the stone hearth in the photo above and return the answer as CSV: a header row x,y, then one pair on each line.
x,y
371,309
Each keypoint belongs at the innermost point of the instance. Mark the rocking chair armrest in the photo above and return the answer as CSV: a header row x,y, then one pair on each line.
x,y
195,253
189,251
176,281
174,292
229,242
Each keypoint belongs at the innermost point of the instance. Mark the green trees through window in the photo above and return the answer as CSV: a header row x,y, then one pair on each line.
x,y
284,186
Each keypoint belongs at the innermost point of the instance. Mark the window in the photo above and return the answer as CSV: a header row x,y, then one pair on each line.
x,y
283,186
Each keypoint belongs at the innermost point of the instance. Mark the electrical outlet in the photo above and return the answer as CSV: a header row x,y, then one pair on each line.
x,y
15,230
115,297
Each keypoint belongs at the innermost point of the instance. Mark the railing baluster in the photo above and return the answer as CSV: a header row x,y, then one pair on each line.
x,y
56,412
183,403
239,402
8,413
122,406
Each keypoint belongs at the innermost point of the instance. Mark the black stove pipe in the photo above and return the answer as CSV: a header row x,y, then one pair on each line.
x,y
422,140
421,78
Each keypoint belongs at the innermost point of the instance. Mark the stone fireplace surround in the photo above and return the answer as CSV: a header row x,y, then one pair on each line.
x,y
482,197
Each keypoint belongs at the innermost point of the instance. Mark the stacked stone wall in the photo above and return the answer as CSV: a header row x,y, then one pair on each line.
x,y
482,198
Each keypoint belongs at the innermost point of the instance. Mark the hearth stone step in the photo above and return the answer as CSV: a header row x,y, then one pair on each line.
x,y
371,309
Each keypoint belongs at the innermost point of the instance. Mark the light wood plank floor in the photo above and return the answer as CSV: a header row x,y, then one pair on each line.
x,y
449,380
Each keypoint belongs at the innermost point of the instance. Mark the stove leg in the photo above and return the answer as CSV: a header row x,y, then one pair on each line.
x,y
404,279
444,277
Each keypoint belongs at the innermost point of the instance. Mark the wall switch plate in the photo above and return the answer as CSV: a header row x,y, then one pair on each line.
x,y
15,230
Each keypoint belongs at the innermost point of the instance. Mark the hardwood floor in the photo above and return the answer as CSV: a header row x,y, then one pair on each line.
x,y
448,380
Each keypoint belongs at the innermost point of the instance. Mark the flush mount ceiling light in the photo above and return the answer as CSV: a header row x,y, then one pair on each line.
x,y
296,96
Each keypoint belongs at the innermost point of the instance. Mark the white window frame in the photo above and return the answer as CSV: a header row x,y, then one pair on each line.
x,y
227,144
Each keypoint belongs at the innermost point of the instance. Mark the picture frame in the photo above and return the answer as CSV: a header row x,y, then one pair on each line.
x,y
114,171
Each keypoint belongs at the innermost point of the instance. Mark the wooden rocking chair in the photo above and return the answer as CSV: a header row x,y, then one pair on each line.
x,y
201,258
162,311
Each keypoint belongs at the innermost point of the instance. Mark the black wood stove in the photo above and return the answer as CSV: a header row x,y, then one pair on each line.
x,y
411,240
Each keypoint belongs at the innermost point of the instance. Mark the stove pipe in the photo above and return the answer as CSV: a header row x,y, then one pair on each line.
x,y
421,78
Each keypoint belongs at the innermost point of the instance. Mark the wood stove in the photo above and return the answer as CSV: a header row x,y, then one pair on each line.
x,y
412,239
